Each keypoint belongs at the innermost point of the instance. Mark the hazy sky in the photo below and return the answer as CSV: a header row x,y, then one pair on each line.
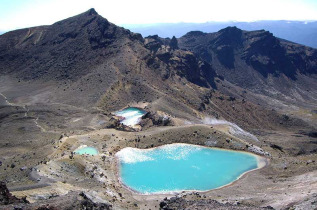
x,y
25,13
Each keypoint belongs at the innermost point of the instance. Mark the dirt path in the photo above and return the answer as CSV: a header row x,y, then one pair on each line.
x,y
6,100
34,176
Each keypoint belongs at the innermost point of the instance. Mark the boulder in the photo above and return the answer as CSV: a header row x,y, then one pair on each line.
x,y
113,123
155,119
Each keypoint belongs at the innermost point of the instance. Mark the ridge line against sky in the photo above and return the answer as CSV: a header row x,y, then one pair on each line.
x,y
15,14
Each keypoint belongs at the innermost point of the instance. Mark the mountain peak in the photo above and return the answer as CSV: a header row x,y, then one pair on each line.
x,y
91,11
195,33
231,30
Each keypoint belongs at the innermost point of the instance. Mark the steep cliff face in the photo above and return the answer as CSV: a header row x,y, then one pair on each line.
x,y
259,50
269,55
180,62
257,61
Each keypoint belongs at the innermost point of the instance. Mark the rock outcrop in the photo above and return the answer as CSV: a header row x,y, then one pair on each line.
x,y
180,62
154,119
7,198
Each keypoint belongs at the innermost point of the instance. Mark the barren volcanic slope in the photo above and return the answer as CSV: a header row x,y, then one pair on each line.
x,y
61,84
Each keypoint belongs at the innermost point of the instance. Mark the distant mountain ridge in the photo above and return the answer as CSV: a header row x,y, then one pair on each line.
x,y
259,49
302,32
256,60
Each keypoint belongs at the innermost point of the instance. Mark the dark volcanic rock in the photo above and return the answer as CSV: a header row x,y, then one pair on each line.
x,y
204,204
7,198
180,62
155,119
258,61
173,44
225,43
72,200
312,133
36,52
258,49
265,54
113,123
274,146
155,42
87,203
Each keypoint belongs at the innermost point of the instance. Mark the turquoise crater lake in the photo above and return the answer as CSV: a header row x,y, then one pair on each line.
x,y
179,167
130,116
84,150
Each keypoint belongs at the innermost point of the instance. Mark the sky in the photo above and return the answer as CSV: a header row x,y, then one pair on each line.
x,y
15,14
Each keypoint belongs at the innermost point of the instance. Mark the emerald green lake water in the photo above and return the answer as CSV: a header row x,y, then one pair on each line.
x,y
131,116
179,167
86,151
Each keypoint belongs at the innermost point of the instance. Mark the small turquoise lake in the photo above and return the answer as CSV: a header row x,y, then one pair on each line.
x,y
179,167
130,116
84,150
